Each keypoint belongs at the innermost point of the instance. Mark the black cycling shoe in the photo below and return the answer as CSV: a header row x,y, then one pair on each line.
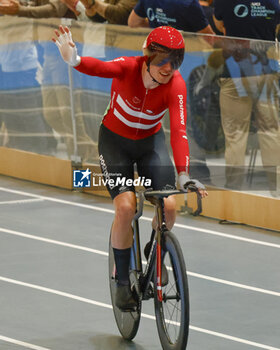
x,y
164,273
124,298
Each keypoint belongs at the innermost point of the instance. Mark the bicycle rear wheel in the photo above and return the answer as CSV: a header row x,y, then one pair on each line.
x,y
127,322
172,314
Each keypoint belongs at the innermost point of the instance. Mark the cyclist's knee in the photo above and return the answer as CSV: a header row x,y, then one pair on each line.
x,y
125,211
125,206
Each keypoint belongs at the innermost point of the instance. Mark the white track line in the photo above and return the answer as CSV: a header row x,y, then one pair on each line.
x,y
229,337
234,284
56,200
23,201
108,306
56,292
227,235
100,252
52,241
92,207
21,343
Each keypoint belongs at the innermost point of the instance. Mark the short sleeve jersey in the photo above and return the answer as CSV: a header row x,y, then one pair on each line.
x,y
249,19
185,15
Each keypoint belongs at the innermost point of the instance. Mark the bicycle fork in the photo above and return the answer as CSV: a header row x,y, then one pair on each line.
x,y
159,234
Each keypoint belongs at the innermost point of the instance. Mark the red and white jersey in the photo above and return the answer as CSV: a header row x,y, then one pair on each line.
x,y
136,112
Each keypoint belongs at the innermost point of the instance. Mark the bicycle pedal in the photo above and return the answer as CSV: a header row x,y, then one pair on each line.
x,y
150,293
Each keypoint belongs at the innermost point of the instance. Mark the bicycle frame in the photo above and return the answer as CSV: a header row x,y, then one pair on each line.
x,y
136,259
154,259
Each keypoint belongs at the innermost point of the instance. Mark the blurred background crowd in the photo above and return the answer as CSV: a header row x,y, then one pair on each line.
x,y
233,92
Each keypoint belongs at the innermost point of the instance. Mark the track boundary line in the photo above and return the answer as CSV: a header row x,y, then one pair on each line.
x,y
22,201
92,207
22,343
100,252
108,306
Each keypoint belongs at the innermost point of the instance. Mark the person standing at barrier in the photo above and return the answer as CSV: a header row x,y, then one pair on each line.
x,y
256,88
34,8
112,11
143,88
23,122
208,9
184,15
54,83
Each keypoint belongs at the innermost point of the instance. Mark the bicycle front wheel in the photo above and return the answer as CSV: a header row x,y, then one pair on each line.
x,y
172,313
127,322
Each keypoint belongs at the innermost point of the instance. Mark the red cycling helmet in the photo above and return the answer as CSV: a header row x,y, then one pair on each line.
x,y
164,44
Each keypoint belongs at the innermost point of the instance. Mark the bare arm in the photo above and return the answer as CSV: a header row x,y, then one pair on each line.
x,y
277,31
136,21
53,9
94,7
44,11
119,13
100,7
10,8
220,25
206,30
116,14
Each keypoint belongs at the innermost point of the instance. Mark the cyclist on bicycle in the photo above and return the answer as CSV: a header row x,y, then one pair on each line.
x,y
143,88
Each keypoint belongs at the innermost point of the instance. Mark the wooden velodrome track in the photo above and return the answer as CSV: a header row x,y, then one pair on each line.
x,y
54,290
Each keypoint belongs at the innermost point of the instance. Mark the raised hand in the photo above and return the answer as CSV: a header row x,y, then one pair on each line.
x,y
66,46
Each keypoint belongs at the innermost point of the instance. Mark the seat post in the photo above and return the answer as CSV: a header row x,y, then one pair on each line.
x,y
160,212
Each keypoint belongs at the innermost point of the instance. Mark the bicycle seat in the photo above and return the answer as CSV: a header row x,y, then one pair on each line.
x,y
155,197
160,194
149,194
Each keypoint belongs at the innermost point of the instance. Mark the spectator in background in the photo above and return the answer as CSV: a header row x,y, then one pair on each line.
x,y
56,113
186,15
22,122
208,9
252,85
25,127
247,19
112,11
35,9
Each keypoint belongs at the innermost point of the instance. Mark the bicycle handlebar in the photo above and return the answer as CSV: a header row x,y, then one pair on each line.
x,y
150,194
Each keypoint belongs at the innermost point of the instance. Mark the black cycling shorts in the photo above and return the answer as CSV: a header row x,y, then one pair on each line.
x,y
119,155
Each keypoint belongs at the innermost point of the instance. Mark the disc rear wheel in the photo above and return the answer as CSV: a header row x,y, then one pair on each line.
x,y
127,322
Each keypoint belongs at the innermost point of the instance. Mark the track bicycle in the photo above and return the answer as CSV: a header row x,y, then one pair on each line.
x,y
171,302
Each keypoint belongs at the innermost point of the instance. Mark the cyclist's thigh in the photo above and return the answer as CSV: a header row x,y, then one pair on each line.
x,y
116,165
156,164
